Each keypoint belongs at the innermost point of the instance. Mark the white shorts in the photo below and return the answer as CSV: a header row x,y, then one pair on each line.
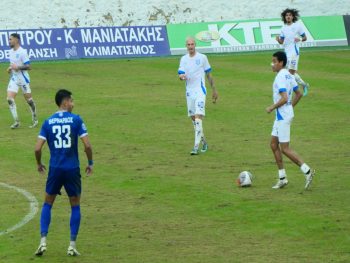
x,y
195,105
281,130
292,62
14,87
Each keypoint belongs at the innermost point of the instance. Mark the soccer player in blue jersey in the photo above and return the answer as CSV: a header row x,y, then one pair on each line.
x,y
283,103
61,132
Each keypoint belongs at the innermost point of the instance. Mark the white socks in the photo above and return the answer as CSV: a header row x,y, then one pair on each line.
x,y
198,132
305,168
43,240
13,108
203,141
299,80
282,173
72,244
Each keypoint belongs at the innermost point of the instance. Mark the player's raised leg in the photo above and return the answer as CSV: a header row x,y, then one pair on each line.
x,y
294,157
301,82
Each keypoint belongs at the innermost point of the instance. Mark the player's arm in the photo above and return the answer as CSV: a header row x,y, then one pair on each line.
x,y
280,39
26,66
39,145
182,75
297,96
302,38
301,33
283,100
181,71
88,152
211,82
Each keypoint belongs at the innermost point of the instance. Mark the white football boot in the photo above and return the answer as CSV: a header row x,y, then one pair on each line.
x,y
280,184
309,177
72,251
41,249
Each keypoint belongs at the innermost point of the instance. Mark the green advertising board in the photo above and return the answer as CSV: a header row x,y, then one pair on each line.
x,y
253,35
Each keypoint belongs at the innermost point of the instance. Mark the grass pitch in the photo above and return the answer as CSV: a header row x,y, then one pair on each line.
x,y
150,201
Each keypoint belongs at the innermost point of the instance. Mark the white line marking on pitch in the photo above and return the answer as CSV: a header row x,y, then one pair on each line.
x,y
33,208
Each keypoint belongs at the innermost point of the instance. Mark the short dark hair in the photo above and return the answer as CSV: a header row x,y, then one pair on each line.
x,y
294,12
16,35
281,56
61,95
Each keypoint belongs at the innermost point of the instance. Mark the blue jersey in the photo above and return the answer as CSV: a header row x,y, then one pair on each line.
x,y
61,131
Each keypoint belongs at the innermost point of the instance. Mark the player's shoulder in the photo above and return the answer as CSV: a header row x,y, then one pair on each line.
x,y
199,54
185,57
72,115
22,50
281,75
283,72
64,114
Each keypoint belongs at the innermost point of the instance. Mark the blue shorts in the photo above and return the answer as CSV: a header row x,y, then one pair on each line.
x,y
70,179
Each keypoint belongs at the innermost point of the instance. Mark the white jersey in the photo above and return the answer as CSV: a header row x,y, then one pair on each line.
x,y
195,69
20,58
288,35
284,82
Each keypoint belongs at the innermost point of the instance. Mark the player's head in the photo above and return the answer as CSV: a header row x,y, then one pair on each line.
x,y
191,45
14,40
279,61
64,100
290,15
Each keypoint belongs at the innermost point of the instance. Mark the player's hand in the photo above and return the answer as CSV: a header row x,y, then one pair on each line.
x,y
41,169
215,96
297,39
269,109
182,77
14,67
278,38
88,170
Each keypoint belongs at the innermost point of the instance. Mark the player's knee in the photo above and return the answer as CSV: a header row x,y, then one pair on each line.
x,y
274,145
10,101
30,101
284,149
74,200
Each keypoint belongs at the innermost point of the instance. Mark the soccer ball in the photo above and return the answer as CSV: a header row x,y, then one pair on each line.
x,y
245,179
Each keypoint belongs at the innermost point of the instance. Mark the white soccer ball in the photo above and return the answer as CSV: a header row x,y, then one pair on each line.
x,y
245,179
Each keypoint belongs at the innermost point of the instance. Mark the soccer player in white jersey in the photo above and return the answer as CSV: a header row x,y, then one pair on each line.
x,y
194,66
292,33
19,66
283,104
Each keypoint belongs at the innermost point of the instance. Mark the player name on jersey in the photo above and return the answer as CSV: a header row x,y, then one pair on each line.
x,y
61,120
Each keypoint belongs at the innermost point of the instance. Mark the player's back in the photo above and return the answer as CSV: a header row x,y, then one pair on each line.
x,y
61,131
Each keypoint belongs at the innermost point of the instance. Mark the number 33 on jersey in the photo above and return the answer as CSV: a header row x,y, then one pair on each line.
x,y
61,131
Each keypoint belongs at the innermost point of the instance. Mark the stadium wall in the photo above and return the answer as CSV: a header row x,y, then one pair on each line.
x,y
95,13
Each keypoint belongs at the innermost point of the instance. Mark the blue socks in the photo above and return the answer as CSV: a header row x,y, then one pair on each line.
x,y
74,222
45,219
